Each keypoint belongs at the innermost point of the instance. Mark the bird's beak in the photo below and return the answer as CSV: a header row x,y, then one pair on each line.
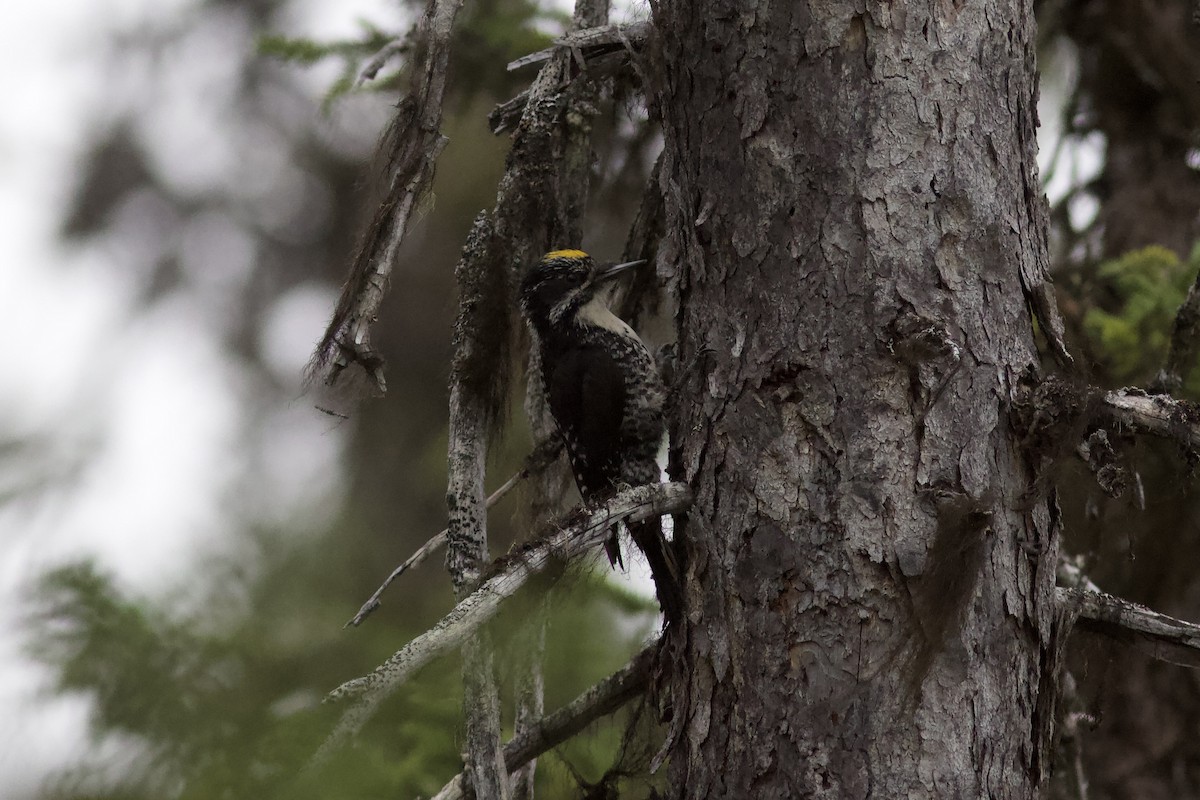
x,y
608,273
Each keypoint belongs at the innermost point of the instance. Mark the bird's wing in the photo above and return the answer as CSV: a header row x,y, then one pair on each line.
x,y
586,392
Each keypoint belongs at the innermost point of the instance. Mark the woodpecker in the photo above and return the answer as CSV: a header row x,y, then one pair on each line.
x,y
604,393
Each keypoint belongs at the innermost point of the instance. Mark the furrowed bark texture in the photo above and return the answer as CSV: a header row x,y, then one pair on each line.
x,y
852,202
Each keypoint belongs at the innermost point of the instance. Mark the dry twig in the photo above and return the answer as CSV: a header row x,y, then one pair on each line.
x,y
397,46
538,460
602,699
601,49
591,42
413,143
482,604
1158,635
1156,414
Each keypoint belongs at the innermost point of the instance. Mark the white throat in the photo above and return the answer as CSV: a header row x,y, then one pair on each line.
x,y
595,312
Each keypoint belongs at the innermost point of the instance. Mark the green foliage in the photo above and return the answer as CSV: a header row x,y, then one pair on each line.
x,y
212,715
304,51
230,707
307,52
488,35
1129,329
352,53
491,34
129,656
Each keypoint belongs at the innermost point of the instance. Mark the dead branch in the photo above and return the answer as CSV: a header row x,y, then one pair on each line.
x,y
1054,416
535,462
603,50
591,42
416,559
412,144
525,221
1158,635
505,115
511,574
1157,414
548,732
397,46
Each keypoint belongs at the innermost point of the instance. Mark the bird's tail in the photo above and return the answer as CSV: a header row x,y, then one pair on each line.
x,y
612,548
664,566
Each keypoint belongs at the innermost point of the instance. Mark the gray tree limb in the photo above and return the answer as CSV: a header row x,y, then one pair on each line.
x,y
1158,635
472,412
601,50
473,611
412,145
538,460
591,42
1156,414
548,732
397,46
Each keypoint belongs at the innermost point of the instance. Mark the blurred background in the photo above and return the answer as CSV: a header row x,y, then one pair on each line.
x,y
182,536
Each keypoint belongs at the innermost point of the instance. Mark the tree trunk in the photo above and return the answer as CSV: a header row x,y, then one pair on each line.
x,y
852,202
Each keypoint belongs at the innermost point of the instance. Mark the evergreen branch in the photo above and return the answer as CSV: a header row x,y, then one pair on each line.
x,y
300,50
1184,335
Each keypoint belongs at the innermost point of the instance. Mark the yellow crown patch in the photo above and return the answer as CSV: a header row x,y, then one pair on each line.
x,y
565,254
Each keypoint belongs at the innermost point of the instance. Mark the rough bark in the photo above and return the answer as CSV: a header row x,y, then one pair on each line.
x,y
854,217
472,412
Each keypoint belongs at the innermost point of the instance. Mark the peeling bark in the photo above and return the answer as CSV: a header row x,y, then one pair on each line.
x,y
857,234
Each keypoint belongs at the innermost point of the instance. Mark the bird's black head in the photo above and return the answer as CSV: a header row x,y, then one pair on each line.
x,y
557,286
562,283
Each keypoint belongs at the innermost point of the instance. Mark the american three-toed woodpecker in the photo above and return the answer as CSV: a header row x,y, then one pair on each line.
x,y
604,393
